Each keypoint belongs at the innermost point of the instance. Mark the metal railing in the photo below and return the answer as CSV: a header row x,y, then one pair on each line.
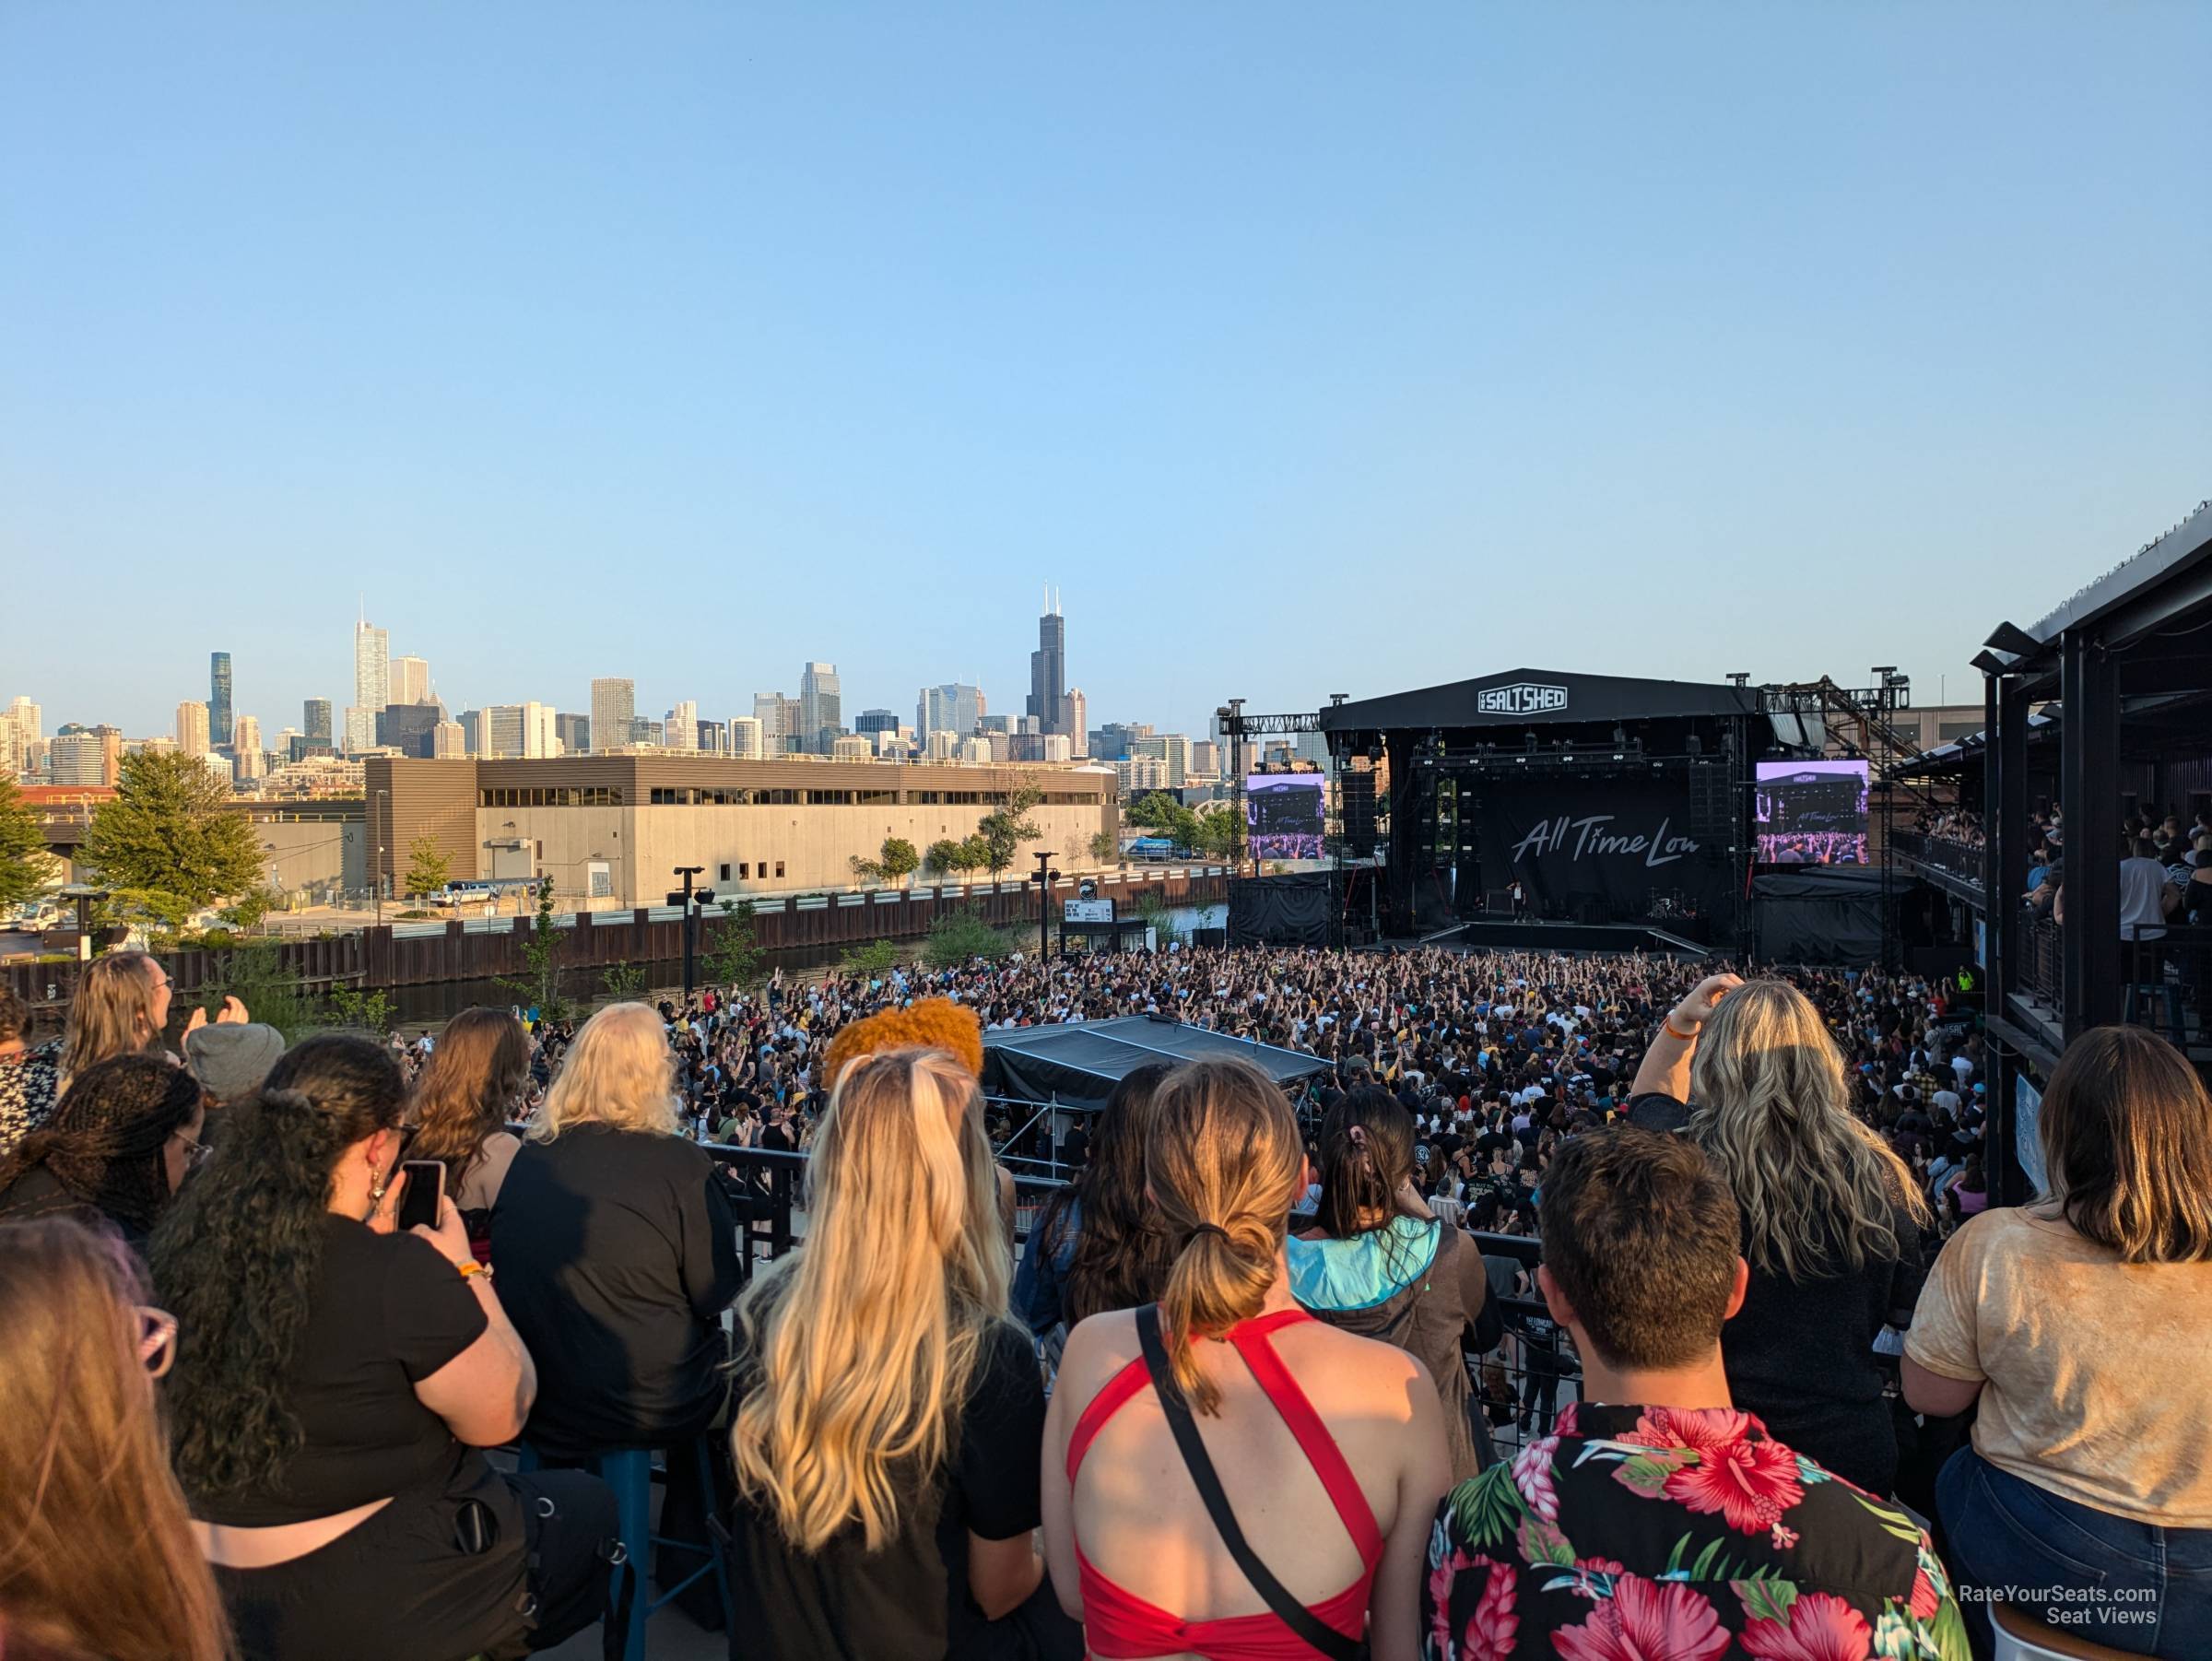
x,y
1957,859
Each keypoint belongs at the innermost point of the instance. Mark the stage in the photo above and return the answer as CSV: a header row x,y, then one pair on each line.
x,y
1507,936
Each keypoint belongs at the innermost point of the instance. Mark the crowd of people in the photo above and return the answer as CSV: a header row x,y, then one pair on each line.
x,y
1235,1394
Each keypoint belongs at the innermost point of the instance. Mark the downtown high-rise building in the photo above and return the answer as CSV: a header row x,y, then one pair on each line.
x,y
314,715
218,700
680,726
952,708
574,733
372,684
614,707
1078,712
192,727
1048,669
744,737
247,763
820,707
520,729
778,719
87,755
22,729
410,681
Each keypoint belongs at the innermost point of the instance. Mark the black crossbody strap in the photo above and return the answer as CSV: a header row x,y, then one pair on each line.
x,y
1324,1638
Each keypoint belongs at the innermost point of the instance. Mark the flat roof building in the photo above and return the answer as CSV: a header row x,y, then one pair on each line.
x,y
608,830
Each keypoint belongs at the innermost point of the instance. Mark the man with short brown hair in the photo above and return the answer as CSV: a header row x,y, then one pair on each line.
x,y
1659,1520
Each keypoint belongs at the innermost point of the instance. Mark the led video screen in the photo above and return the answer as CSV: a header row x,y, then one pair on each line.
x,y
1811,813
1282,814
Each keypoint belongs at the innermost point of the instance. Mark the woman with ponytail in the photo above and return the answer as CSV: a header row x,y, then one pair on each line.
x,y
1322,1453
334,1379
1384,1266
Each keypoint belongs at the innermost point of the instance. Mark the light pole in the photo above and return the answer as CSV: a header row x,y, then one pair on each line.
x,y
684,898
1044,879
376,872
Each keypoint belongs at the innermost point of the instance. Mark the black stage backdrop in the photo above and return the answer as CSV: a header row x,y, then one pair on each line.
x,y
1296,909
1598,848
1830,914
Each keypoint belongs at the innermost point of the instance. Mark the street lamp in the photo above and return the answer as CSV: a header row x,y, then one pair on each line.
x,y
684,898
1044,880
376,872
87,897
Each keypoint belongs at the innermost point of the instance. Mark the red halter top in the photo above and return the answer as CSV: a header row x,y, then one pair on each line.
x,y
1117,1624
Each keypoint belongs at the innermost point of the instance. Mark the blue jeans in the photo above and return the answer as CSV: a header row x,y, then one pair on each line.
x,y
2154,1584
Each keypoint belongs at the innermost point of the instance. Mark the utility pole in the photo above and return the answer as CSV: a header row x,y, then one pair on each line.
x,y
1044,879
685,898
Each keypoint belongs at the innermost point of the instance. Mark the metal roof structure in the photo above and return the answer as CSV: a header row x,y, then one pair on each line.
x,y
1077,1064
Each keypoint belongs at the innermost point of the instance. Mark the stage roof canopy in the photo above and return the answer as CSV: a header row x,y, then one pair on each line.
x,y
1080,1061
1520,698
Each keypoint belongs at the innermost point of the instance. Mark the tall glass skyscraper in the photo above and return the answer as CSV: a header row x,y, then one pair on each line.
x,y
821,707
315,715
218,700
1048,669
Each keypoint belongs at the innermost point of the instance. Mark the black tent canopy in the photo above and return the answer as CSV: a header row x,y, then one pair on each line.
x,y
1077,1064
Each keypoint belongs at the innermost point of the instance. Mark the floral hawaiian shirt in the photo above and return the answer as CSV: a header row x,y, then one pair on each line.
x,y
1659,1534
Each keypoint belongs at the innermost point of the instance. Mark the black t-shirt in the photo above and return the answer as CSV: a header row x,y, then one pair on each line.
x,y
616,1254
908,1600
385,1311
1800,1353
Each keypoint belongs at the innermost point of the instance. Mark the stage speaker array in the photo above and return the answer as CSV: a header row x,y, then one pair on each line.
x,y
1356,797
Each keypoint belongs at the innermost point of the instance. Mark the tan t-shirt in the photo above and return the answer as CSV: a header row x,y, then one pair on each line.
x,y
2099,1373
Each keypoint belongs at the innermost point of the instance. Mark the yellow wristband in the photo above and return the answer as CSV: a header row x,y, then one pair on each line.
x,y
473,1268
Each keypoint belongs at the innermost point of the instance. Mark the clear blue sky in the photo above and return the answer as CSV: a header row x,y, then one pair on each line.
x,y
1308,349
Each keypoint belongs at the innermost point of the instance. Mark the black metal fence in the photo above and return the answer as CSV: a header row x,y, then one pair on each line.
x,y
1958,859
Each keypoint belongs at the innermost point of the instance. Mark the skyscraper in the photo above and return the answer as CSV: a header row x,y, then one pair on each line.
x,y
1048,669
952,708
192,727
614,707
1078,712
218,700
781,727
820,707
87,755
744,737
574,733
372,684
520,729
680,726
315,717
410,681
247,762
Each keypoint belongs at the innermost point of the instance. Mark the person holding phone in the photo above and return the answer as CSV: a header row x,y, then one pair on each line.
x,y
335,1377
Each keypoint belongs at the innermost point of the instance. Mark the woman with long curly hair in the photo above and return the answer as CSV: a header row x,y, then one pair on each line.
x,y
97,1557
119,1145
890,1412
471,1084
1098,1244
1328,1448
334,1383
1833,1223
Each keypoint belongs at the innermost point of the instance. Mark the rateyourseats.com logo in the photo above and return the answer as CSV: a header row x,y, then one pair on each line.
x,y
1521,698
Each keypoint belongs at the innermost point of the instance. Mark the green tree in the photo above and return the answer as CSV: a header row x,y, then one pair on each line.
x,y
898,860
1106,848
166,843
363,1011
1153,909
959,936
25,866
622,982
540,982
732,953
249,910
1220,832
1008,826
870,962
256,975
427,866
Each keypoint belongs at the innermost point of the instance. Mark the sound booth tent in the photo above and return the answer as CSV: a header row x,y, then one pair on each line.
x,y
1077,1064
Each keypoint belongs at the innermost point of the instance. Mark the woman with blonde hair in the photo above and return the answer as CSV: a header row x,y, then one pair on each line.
x,y
2081,1325
96,1556
1303,1522
121,1008
615,1251
1833,1222
889,1410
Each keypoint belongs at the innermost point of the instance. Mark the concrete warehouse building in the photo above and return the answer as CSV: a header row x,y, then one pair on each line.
x,y
609,830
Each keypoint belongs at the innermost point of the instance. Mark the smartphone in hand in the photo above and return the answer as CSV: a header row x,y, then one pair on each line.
x,y
424,1197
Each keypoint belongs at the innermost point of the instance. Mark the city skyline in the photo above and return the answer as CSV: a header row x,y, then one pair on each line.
x,y
1357,353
